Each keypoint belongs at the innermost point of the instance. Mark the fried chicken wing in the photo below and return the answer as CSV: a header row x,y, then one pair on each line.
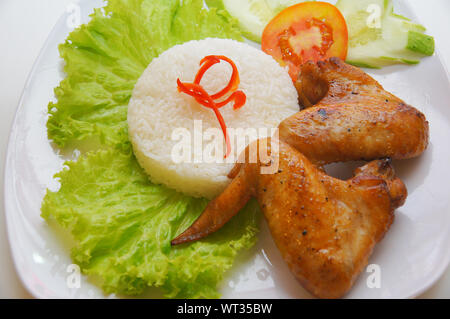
x,y
325,228
349,116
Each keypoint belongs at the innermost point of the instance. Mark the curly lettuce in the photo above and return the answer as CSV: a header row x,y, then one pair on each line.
x,y
105,58
121,223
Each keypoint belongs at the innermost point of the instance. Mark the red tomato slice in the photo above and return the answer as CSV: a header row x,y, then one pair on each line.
x,y
306,31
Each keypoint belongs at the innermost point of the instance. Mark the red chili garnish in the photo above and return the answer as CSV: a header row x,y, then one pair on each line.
x,y
204,98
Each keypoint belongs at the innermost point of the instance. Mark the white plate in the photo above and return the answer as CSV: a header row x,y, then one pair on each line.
x,y
414,254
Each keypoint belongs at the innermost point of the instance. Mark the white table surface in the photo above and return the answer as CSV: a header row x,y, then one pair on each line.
x,y
24,26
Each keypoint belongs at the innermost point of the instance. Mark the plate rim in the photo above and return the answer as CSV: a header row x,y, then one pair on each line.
x,y
8,192
8,158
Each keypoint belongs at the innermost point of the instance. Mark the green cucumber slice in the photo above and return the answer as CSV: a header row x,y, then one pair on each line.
x,y
254,15
361,17
420,43
394,40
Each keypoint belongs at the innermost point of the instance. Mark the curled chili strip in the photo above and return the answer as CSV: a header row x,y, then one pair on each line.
x,y
207,62
204,98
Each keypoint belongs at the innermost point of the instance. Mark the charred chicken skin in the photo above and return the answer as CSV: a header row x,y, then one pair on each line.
x,y
348,116
325,228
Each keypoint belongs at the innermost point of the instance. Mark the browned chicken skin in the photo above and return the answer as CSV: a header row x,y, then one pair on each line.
x,y
325,228
349,116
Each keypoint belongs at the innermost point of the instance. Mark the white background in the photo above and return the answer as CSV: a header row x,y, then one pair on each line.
x,y
24,26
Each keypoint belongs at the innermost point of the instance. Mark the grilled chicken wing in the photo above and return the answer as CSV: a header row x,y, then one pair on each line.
x,y
349,116
325,228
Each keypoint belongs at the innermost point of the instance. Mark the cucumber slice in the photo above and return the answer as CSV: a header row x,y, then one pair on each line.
x,y
394,40
364,20
420,43
254,15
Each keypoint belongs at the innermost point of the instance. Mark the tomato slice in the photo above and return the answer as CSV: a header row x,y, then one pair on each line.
x,y
306,31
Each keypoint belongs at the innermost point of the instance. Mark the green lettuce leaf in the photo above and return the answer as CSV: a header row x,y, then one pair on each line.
x,y
105,58
121,223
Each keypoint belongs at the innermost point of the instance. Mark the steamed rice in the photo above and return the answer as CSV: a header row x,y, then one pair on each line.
x,y
157,109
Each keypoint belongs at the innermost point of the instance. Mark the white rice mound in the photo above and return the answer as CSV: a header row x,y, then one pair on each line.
x,y
157,109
